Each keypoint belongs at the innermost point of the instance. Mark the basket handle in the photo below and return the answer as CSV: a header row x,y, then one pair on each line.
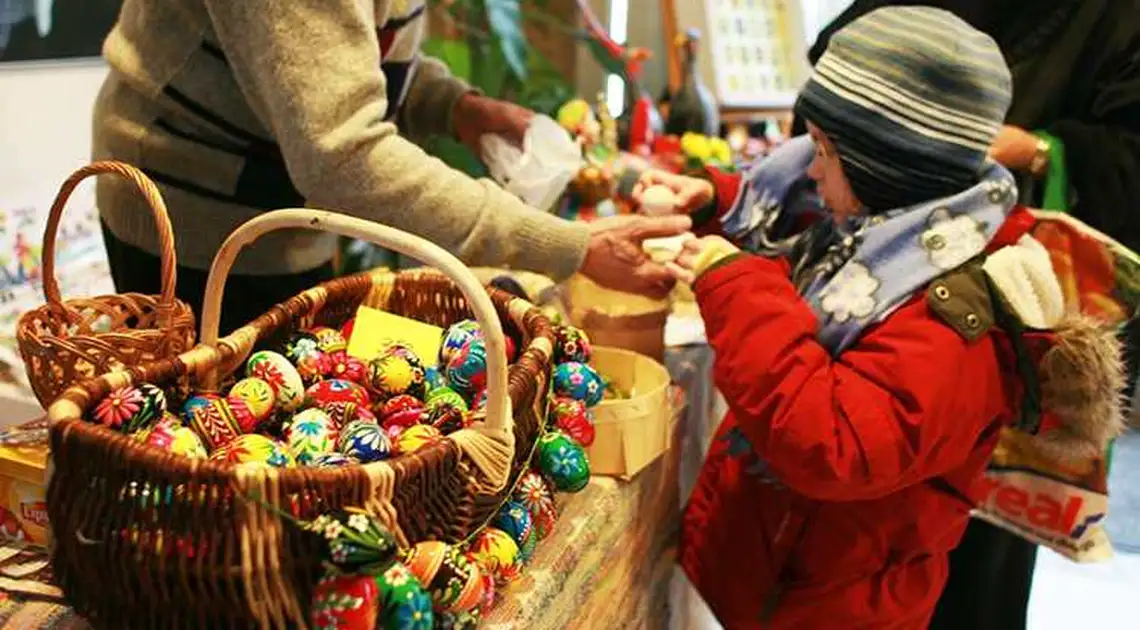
x,y
498,402
157,207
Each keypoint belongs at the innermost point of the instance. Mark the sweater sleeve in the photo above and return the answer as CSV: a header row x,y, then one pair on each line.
x,y
311,69
427,109
909,402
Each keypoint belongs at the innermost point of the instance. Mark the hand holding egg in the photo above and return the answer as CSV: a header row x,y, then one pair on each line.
x,y
660,192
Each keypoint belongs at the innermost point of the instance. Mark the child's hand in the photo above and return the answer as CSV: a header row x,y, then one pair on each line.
x,y
690,194
697,255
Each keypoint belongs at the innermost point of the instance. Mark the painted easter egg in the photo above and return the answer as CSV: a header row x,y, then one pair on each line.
x,y
347,367
446,395
184,441
347,328
401,411
343,413
573,418
253,449
453,581
578,381
364,441
571,344
466,369
330,340
406,604
336,390
258,396
489,589
332,460
416,437
299,345
512,348
457,336
514,519
152,409
346,601
433,380
276,370
196,402
217,423
496,553
314,367
117,408
563,461
310,434
447,417
159,435
535,494
395,374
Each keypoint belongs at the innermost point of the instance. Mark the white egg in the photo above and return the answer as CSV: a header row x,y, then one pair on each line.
x,y
658,200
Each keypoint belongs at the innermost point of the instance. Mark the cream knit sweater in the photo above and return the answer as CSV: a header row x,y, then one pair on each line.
x,y
240,106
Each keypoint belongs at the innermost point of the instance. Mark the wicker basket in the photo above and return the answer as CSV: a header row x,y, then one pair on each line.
x,y
65,342
146,539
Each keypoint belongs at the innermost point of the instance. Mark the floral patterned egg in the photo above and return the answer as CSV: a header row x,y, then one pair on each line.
x,y
310,434
535,494
314,367
514,519
573,418
159,435
453,581
152,409
344,413
563,461
488,602
571,344
346,602
276,370
184,441
217,423
401,411
258,396
330,340
118,408
364,441
395,374
446,395
299,345
580,382
414,438
456,337
336,390
246,421
433,380
332,460
466,369
406,605
496,553
253,449
196,402
347,367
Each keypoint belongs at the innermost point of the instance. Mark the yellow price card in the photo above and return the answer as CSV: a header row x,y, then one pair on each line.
x,y
374,329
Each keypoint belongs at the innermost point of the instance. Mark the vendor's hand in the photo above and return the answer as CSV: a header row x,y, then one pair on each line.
x,y
697,255
475,116
615,258
692,193
1014,148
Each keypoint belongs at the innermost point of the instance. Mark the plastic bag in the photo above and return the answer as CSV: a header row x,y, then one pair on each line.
x,y
539,172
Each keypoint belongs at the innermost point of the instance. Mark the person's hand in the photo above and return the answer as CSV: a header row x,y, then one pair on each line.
x,y
475,116
692,193
615,258
1014,148
698,254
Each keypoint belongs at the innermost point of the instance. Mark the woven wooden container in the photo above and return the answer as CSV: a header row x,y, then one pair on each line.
x,y
147,539
631,432
64,342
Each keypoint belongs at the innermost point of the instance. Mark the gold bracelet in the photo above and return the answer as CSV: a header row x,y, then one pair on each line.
x,y
1040,162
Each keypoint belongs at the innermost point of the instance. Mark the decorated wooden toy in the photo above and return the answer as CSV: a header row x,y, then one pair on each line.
x,y
514,519
330,340
345,600
276,370
348,367
332,460
573,418
466,369
216,422
343,413
314,367
535,494
496,553
300,344
336,390
416,437
453,581
258,396
401,411
253,449
406,604
578,381
563,461
457,336
393,374
571,344
310,434
364,441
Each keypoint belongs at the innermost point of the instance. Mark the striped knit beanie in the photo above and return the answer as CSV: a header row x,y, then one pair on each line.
x,y
912,97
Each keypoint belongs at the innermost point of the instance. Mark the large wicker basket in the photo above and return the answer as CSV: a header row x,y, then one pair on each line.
x,y
145,539
65,342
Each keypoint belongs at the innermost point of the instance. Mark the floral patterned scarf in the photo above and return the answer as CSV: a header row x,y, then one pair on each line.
x,y
857,273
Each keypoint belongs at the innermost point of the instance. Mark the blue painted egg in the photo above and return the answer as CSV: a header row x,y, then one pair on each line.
x,y
364,441
514,519
580,382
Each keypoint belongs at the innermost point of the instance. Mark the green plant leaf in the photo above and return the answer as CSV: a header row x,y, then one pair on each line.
x,y
505,21
489,71
455,53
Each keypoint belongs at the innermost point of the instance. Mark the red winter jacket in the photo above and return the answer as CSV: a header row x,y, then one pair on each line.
x,y
835,488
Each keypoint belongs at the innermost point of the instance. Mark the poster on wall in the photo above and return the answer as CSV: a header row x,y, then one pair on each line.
x,y
44,30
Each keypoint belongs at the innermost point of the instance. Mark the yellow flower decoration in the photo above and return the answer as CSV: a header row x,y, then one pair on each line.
x,y
573,113
696,146
720,151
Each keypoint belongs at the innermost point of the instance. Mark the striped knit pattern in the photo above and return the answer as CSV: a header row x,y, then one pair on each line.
x,y
912,97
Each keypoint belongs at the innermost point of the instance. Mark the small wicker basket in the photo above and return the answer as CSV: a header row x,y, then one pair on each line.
x,y
63,343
